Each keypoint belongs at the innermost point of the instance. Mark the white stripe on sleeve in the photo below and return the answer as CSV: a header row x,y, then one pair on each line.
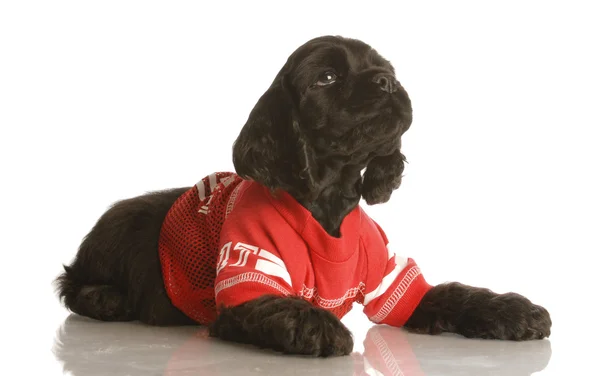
x,y
212,181
271,257
273,269
200,188
387,281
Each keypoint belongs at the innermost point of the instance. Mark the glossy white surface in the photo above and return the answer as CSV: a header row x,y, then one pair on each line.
x,y
90,348
53,343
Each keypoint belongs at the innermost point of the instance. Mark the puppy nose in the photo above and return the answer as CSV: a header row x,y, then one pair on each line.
x,y
386,82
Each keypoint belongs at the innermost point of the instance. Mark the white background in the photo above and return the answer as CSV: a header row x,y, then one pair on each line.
x,y
101,101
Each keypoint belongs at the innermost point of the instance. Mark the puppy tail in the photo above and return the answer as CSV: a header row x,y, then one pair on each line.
x,y
67,287
100,302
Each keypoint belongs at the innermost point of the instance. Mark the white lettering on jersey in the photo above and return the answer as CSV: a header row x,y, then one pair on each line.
x,y
223,257
245,250
204,208
267,263
212,183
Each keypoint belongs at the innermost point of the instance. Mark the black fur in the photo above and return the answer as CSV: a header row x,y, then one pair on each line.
x,y
314,141
290,325
479,313
116,274
328,146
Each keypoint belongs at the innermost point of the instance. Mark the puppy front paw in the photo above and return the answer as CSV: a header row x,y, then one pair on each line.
x,y
382,176
508,316
476,312
377,188
320,333
289,325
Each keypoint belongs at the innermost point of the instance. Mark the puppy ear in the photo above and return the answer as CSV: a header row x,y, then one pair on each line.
x,y
382,176
271,148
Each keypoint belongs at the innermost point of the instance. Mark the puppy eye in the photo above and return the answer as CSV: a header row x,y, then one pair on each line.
x,y
327,78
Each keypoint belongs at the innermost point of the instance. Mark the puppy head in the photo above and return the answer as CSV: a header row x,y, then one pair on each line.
x,y
334,109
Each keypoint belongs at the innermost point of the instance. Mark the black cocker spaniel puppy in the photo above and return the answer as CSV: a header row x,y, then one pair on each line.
x,y
275,254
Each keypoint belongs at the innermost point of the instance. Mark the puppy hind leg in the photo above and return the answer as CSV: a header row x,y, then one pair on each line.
x,y
100,302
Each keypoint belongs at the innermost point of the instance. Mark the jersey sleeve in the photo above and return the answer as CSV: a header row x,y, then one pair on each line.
x,y
247,271
250,263
395,285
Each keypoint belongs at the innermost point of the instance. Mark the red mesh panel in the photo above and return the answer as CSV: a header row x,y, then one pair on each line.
x,y
188,246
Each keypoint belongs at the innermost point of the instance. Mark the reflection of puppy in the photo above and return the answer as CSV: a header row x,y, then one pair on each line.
x,y
89,348
282,247
92,348
389,351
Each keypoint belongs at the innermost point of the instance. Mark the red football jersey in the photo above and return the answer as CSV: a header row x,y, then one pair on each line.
x,y
227,241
